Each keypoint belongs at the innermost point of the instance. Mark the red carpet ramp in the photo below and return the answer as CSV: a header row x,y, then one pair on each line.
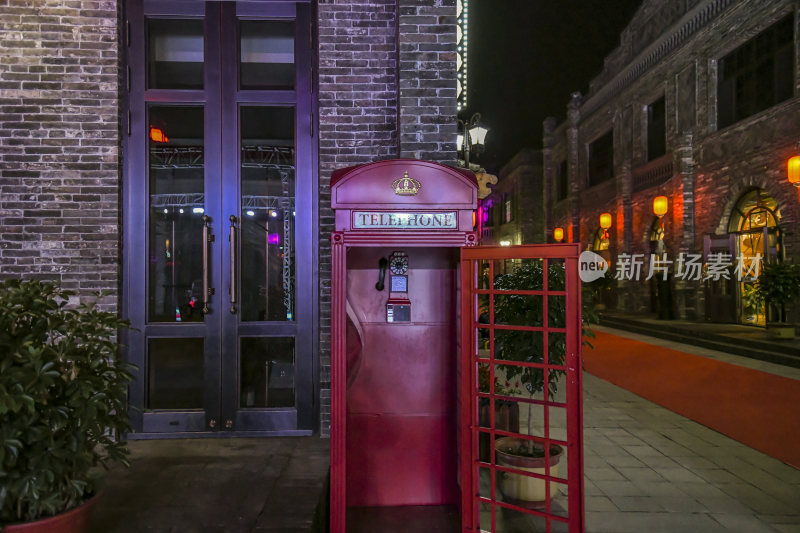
x,y
755,408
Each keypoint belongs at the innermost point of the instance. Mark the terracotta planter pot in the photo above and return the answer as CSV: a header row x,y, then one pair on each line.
x,y
75,520
524,491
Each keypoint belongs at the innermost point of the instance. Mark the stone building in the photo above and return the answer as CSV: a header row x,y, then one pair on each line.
x,y
134,132
699,103
512,213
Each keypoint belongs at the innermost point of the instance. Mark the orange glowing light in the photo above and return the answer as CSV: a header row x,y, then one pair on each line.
x,y
474,219
558,234
605,220
660,206
793,168
156,135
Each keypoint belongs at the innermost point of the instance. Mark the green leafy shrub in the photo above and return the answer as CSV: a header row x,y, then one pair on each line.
x,y
526,346
779,285
62,399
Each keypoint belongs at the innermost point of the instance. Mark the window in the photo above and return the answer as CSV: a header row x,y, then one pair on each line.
x,y
601,159
489,215
656,129
562,186
758,74
508,208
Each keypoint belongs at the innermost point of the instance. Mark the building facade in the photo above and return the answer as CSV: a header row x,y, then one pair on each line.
x,y
513,212
699,103
177,155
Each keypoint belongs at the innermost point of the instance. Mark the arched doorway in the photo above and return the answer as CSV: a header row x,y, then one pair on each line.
x,y
755,221
660,288
602,289
601,244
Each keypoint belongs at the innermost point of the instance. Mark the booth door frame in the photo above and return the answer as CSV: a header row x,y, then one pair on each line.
x,y
470,426
340,242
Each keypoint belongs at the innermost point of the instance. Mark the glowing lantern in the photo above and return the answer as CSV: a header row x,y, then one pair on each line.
x,y
660,206
793,168
605,223
156,135
558,234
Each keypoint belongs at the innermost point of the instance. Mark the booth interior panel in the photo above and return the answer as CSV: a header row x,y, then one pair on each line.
x,y
429,518
401,396
401,460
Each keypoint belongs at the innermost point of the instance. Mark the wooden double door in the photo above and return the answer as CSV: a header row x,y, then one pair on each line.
x,y
220,217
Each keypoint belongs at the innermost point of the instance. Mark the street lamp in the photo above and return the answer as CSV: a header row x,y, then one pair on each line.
x,y
472,136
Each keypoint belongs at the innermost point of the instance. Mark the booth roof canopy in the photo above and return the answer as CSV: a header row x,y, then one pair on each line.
x,y
384,183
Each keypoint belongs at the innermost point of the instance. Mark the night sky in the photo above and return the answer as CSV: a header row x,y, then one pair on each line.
x,y
527,56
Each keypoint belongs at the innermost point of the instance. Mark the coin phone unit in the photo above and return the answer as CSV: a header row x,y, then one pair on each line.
x,y
398,308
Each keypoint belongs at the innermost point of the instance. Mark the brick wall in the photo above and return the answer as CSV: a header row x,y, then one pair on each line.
x,y
59,143
387,89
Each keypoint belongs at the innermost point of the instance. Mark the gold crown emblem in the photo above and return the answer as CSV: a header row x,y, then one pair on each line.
x,y
406,186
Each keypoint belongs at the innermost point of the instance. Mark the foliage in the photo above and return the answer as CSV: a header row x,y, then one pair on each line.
x,y
528,310
62,399
779,283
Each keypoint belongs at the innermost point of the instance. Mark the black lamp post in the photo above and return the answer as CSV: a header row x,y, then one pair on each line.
x,y
472,136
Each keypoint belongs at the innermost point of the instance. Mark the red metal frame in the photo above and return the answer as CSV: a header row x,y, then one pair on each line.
x,y
470,427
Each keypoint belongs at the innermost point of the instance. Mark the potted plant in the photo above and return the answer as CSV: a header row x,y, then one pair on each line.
x,y
524,346
779,286
62,406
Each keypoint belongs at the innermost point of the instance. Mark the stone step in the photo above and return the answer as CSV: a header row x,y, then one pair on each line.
x,y
763,351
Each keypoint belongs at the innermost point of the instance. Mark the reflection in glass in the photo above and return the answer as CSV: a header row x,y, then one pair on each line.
x,y
176,168
268,214
175,54
267,372
267,54
175,374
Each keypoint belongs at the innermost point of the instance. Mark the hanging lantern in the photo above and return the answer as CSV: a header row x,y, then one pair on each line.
x,y
558,234
793,169
605,223
660,206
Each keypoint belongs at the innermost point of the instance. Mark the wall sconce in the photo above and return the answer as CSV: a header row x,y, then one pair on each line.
x,y
558,234
660,208
605,223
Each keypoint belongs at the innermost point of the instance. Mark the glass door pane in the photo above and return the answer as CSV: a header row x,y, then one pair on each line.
x,y
176,197
267,372
267,54
268,213
175,54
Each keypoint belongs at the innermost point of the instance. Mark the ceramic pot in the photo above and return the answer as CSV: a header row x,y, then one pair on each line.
x,y
76,520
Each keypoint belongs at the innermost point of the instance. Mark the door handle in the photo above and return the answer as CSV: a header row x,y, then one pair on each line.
x,y
232,240
208,238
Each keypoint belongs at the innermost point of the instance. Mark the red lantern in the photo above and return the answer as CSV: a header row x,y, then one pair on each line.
x,y
660,206
558,234
793,169
605,223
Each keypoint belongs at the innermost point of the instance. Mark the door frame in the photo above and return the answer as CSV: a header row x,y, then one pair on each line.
x,y
221,373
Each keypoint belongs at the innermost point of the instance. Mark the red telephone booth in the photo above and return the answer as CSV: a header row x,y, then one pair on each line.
x,y
441,356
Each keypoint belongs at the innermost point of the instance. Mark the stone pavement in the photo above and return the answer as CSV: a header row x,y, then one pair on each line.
x,y
647,470
650,470
215,486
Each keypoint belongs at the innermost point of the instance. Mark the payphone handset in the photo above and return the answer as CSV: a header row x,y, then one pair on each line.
x,y
398,308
